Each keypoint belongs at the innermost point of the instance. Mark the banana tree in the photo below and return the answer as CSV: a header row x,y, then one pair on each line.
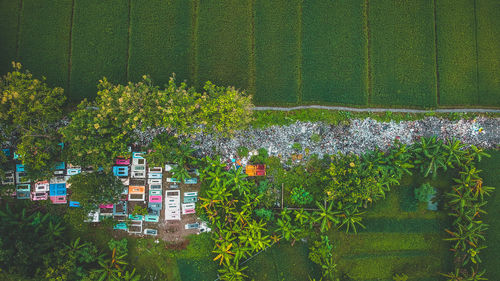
x,y
430,156
232,272
224,253
111,269
325,216
351,218
456,153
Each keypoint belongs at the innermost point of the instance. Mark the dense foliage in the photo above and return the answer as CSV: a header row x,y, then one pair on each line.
x,y
229,206
92,189
103,129
29,110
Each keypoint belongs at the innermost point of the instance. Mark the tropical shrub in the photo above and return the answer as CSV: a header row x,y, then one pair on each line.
x,y
299,196
424,192
321,253
92,189
242,151
29,111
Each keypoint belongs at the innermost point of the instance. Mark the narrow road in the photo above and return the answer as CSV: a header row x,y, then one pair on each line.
x,y
355,109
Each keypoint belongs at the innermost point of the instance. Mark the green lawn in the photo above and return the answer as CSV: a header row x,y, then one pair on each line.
x,y
491,176
457,60
99,45
160,40
44,39
277,51
402,53
9,14
283,262
224,42
488,43
333,46
397,240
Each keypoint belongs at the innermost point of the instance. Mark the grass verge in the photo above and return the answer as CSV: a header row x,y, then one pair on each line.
x,y
491,177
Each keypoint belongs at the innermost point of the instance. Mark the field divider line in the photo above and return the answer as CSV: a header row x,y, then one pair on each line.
x,y
377,109
194,42
366,13
70,48
18,33
127,70
438,99
478,96
299,51
252,66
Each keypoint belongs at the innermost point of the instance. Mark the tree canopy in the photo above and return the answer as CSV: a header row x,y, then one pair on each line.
x,y
29,110
102,129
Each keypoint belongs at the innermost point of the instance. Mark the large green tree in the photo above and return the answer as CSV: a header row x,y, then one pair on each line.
x,y
29,110
92,189
102,129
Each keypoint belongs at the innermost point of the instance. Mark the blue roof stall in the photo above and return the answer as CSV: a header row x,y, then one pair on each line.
x,y
120,171
19,168
74,204
57,189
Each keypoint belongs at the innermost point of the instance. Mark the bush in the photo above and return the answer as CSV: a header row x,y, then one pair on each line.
x,y
297,146
424,192
261,157
316,138
242,151
300,196
265,214
121,246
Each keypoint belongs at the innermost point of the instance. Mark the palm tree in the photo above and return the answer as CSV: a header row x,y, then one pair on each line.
x,y
453,276
131,276
326,216
456,153
350,219
286,230
111,269
232,272
476,276
223,251
429,155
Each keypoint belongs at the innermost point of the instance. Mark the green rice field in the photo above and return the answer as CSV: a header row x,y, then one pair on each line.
x,y
386,53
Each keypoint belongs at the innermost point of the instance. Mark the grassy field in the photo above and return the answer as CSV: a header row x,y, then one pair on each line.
x,y
44,39
402,53
488,44
386,53
457,58
160,40
333,46
491,176
9,14
277,51
283,262
395,241
99,45
224,42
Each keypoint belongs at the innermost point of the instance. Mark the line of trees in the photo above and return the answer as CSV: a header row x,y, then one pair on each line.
x,y
32,122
